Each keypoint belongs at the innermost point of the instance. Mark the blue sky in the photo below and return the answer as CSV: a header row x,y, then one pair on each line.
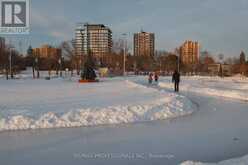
x,y
220,26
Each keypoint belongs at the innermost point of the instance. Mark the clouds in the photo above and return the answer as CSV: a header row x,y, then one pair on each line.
x,y
55,26
220,25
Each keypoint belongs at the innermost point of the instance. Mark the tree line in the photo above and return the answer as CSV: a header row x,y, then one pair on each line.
x,y
163,62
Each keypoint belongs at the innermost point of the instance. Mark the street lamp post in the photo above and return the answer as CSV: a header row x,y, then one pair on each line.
x,y
160,67
124,55
37,66
178,61
221,57
60,67
10,62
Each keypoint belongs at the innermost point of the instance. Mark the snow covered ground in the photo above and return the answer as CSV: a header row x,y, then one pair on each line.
x,y
32,104
237,161
232,87
215,131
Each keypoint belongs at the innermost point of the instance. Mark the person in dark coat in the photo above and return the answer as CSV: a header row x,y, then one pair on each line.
x,y
150,78
156,77
176,80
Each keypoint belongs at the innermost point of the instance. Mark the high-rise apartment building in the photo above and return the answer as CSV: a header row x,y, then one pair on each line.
x,y
144,44
189,52
94,38
78,41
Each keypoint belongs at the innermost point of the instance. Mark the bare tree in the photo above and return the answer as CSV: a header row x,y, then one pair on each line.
x,y
4,58
221,57
117,46
68,52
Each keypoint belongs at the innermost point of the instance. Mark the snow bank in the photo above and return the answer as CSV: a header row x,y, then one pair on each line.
x,y
237,161
158,106
212,91
156,110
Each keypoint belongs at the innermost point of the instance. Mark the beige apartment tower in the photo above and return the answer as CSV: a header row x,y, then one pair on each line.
x,y
189,52
94,38
144,44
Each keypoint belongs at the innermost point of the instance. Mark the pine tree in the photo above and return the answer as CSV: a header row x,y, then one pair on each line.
x,y
242,59
88,71
30,54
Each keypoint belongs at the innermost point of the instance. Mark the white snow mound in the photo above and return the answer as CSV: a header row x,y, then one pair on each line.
x,y
237,161
155,110
166,106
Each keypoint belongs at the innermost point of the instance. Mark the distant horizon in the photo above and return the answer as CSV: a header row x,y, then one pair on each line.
x,y
214,25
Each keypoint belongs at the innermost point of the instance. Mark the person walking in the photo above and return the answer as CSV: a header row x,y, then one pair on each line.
x,y
156,77
150,78
176,80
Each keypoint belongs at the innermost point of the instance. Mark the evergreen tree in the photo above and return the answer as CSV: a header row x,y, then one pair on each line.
x,y
30,51
242,59
31,58
88,71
